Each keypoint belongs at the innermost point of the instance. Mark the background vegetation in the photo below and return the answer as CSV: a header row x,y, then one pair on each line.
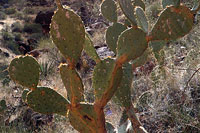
x,y
167,99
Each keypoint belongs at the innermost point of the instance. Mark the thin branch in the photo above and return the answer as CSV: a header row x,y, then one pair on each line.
x,y
187,83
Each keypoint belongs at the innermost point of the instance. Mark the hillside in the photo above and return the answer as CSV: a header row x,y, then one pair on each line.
x,y
165,96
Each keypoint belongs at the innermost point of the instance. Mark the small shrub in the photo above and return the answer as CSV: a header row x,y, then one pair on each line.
x,y
6,35
9,42
27,19
13,46
29,10
47,68
32,28
16,27
36,36
10,11
2,15
17,37
19,15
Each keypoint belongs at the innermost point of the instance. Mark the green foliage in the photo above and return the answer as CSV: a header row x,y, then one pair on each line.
x,y
111,76
9,41
2,15
16,27
3,105
29,10
32,28
47,68
4,75
10,11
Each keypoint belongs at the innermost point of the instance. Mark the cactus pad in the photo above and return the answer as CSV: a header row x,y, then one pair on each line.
x,y
47,101
131,44
157,45
141,60
104,80
68,33
90,50
25,71
123,92
173,23
139,3
112,35
128,10
109,10
73,84
83,118
141,19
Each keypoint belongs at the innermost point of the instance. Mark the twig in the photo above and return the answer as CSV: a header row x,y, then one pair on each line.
x,y
187,83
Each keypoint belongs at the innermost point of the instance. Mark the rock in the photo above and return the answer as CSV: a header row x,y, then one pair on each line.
x,y
6,54
24,48
35,53
44,18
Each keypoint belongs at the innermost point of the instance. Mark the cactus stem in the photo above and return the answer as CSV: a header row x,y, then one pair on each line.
x,y
137,127
149,38
109,92
100,118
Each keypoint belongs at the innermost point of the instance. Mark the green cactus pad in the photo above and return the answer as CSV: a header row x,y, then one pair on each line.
x,y
73,84
166,3
24,94
128,10
141,60
47,101
141,19
104,80
68,33
139,3
131,44
90,50
25,71
123,93
157,45
109,10
112,35
83,118
173,23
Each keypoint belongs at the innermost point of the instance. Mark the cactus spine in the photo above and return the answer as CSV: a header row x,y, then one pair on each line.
x,y
112,77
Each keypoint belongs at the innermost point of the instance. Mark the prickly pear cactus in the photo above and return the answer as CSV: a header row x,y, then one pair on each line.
x,y
132,43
